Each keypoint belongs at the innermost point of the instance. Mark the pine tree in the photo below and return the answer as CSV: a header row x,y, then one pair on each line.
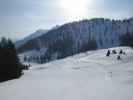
x,y
10,67
126,39
90,45
25,58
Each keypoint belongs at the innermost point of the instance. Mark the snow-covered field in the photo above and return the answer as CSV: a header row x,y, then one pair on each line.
x,y
87,76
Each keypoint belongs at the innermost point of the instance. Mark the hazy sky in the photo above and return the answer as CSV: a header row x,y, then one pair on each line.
x,y
19,18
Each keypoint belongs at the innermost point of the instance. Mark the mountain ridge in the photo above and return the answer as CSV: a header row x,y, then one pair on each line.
x,y
74,37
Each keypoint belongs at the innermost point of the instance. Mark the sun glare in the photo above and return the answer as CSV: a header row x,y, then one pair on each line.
x,y
74,8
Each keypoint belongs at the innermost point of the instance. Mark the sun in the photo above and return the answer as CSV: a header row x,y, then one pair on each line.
x,y
74,8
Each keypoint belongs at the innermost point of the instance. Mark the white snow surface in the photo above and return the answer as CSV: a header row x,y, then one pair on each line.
x,y
86,76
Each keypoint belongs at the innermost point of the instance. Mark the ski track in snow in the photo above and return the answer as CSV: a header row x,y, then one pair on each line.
x,y
86,76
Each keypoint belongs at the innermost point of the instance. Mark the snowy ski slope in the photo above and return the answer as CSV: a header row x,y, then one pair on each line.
x,y
86,76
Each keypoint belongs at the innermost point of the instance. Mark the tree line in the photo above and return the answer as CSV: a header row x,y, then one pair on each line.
x,y
60,49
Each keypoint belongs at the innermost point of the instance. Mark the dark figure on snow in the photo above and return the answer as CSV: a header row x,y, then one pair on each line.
x,y
108,53
121,51
114,52
118,57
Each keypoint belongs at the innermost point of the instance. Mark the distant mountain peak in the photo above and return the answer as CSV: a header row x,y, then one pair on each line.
x,y
36,34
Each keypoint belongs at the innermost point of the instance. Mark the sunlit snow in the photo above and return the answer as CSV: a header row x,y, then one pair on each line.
x,y
87,76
